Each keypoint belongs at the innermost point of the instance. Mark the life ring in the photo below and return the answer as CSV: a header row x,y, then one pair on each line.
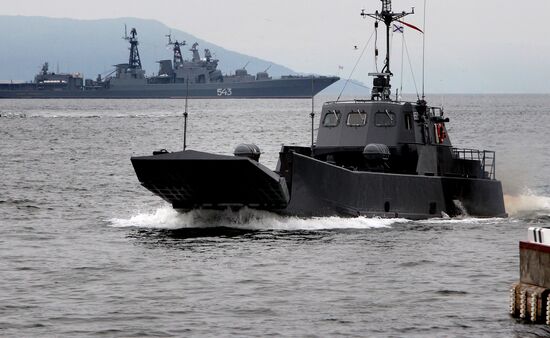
x,y
441,135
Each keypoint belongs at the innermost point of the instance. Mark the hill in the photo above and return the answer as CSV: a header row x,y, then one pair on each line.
x,y
92,47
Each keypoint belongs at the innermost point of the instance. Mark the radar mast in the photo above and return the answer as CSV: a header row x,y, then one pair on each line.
x,y
381,82
178,57
195,51
134,61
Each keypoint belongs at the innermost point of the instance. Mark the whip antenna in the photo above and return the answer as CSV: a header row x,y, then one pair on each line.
x,y
402,61
185,114
312,114
424,52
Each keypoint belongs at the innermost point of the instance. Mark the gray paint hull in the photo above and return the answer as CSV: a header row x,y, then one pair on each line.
x,y
321,189
278,88
190,180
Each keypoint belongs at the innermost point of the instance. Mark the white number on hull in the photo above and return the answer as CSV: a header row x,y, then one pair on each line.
x,y
224,92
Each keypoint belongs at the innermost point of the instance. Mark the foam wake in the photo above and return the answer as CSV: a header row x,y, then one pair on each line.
x,y
526,204
168,218
461,220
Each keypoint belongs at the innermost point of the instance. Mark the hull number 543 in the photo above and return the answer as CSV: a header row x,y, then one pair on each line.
x,y
224,92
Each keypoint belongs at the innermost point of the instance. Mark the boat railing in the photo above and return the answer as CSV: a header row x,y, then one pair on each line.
x,y
486,159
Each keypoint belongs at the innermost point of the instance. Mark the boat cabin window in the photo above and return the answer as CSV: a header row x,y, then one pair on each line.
x,y
357,118
384,119
332,118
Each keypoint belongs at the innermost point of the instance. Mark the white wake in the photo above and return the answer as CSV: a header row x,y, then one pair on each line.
x,y
168,218
526,204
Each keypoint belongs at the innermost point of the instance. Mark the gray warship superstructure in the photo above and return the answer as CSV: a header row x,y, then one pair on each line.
x,y
373,157
177,78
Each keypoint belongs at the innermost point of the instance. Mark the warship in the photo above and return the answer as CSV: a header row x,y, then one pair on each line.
x,y
374,156
198,77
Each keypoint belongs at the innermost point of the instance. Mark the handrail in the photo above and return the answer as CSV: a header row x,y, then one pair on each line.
x,y
486,159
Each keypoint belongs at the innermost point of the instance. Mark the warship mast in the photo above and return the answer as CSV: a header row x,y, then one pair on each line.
x,y
178,57
134,61
381,82
195,51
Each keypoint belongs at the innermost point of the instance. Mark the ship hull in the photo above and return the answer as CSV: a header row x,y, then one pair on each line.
x,y
192,179
322,189
313,188
298,87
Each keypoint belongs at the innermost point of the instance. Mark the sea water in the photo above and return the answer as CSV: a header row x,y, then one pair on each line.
x,y
86,251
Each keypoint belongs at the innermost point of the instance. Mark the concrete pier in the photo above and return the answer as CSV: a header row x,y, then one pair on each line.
x,y
529,298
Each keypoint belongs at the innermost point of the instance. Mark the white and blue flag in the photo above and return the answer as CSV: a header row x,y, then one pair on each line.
x,y
398,28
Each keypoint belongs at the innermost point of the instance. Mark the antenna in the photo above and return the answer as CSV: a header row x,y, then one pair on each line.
x,y
381,83
402,60
185,114
134,61
246,65
178,56
312,114
424,52
268,68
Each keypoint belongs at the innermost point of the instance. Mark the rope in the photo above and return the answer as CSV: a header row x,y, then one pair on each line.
x,y
410,66
354,67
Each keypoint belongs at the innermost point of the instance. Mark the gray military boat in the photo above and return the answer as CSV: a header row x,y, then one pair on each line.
x,y
374,157
198,77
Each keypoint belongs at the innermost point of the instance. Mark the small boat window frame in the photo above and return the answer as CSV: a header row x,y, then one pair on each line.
x,y
390,117
334,112
363,114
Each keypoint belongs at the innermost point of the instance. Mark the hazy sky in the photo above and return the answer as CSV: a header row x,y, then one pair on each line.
x,y
472,45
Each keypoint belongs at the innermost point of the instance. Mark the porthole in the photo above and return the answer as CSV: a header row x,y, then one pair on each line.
x,y
332,118
384,119
357,118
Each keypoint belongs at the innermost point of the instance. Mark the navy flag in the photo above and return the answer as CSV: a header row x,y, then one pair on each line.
x,y
398,28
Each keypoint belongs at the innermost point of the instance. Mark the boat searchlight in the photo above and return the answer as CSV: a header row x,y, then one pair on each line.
x,y
251,151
